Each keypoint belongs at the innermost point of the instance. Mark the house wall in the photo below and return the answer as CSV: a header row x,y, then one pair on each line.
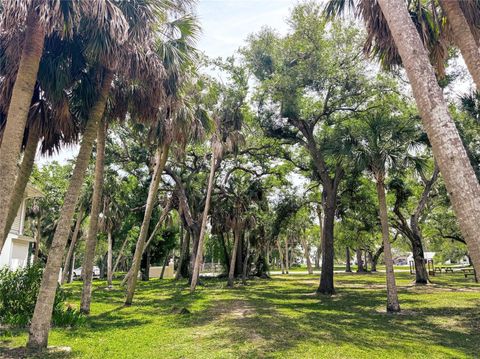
x,y
15,250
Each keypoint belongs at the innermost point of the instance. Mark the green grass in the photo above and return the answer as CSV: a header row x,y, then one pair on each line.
x,y
278,318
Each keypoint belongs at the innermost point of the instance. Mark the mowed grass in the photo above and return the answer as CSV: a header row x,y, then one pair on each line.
x,y
277,318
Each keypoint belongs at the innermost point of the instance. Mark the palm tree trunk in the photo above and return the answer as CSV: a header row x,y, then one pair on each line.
x,y
348,267
231,273
72,266
161,157
463,37
66,267
280,256
23,176
457,172
91,240
392,297
18,113
109,258
199,256
42,315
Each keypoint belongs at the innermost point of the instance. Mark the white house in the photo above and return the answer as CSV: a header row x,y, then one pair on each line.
x,y
15,250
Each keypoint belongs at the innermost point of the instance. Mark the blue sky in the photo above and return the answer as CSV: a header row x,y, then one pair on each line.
x,y
225,26
227,23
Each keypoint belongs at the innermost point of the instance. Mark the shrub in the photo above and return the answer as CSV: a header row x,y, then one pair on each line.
x,y
18,294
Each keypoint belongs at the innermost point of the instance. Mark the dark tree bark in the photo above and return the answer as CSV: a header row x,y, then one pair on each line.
x,y
360,265
348,267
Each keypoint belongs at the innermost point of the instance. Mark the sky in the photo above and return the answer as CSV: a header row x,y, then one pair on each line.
x,y
226,25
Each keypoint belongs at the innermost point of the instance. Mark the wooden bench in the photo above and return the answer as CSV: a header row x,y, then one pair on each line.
x,y
437,269
448,269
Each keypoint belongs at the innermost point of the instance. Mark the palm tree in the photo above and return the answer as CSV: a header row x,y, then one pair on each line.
x,y
18,78
462,34
447,147
177,55
391,27
381,142
91,240
109,26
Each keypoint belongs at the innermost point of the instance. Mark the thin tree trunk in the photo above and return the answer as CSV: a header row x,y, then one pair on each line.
x,y
119,256
348,267
165,263
181,267
306,250
23,176
245,263
447,147
231,273
72,266
365,262
161,157
287,265
18,113
280,255
463,37
38,239
109,258
375,258
39,328
91,239
392,297
360,267
199,256
66,267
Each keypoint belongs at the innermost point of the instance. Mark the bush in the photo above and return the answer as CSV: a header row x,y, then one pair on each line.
x,y
18,294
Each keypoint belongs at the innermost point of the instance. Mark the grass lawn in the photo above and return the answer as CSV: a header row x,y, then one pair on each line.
x,y
278,318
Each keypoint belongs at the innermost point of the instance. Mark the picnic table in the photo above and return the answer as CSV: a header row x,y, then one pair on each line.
x,y
468,271
443,268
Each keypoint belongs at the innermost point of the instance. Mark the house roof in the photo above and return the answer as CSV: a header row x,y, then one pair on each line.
x,y
32,192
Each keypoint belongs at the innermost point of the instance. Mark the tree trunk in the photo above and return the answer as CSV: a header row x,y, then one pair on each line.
x,y
245,263
239,261
91,239
38,333
463,37
328,255
348,267
447,147
182,270
392,297
66,267
18,113
145,265
225,251
306,250
119,256
375,258
421,275
280,256
109,258
161,157
287,265
365,262
38,239
165,263
231,273
72,266
360,267
23,176
203,228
